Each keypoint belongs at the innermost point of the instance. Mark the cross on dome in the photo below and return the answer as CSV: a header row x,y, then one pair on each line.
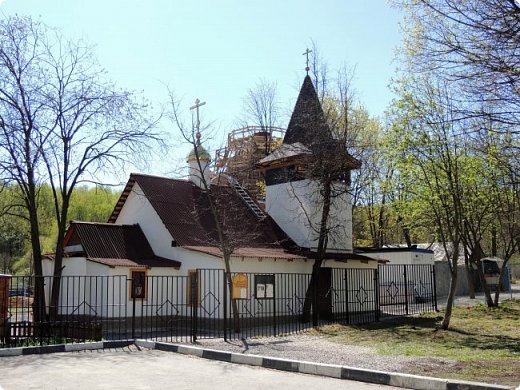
x,y
198,104
307,52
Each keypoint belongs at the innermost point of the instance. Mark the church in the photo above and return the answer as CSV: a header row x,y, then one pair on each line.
x,y
165,226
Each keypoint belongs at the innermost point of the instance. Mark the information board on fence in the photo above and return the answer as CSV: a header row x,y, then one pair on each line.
x,y
240,286
264,286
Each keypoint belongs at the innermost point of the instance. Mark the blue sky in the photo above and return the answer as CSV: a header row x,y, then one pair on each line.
x,y
217,50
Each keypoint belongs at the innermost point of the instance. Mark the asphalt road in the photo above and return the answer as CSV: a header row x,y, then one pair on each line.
x,y
151,369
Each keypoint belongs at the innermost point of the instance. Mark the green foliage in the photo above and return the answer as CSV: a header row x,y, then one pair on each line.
x,y
92,204
87,204
457,132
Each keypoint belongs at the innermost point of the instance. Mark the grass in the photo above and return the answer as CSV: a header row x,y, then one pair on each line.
x,y
482,343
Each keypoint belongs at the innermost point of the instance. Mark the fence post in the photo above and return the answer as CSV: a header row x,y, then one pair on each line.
x,y
376,282
347,299
4,308
133,318
434,288
194,290
225,305
274,305
405,289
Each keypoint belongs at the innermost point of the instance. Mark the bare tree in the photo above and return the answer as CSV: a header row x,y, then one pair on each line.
x,y
63,123
217,198
256,137
320,74
261,106
97,128
23,135
473,45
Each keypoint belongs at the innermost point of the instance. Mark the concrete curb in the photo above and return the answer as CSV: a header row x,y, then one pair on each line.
x,y
328,370
44,349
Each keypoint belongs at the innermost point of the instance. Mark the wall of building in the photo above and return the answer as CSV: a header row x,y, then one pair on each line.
x,y
443,278
297,206
105,291
406,256
137,209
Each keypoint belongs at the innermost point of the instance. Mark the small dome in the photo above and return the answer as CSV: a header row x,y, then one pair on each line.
x,y
203,154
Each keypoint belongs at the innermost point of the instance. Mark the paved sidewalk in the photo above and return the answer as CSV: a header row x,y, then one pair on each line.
x,y
464,300
144,364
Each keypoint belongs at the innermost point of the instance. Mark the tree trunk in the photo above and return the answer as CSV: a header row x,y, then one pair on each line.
x,y
58,256
229,281
451,298
469,276
309,296
476,255
500,284
39,282
56,279
485,286
312,290
493,241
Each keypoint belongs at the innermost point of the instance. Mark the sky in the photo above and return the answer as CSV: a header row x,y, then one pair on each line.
x,y
216,50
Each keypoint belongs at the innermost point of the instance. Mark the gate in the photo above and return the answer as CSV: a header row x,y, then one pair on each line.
x,y
406,289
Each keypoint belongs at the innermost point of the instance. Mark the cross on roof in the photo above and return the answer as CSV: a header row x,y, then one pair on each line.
x,y
198,104
307,52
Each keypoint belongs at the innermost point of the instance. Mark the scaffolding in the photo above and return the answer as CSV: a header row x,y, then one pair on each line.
x,y
245,147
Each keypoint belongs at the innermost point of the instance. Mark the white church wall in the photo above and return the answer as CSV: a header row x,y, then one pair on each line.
x,y
340,219
192,260
286,203
47,267
195,175
357,264
104,291
72,266
137,209
75,266
269,265
297,206
97,269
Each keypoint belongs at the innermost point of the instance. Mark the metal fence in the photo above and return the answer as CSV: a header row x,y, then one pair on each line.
x,y
207,303
406,289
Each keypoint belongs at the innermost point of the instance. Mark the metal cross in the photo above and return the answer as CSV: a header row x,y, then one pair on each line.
x,y
198,104
307,52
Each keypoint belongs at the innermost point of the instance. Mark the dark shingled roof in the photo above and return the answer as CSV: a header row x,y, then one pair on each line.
x,y
184,209
308,126
115,245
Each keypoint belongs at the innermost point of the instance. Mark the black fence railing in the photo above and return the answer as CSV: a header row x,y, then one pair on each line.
x,y
207,303
406,289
